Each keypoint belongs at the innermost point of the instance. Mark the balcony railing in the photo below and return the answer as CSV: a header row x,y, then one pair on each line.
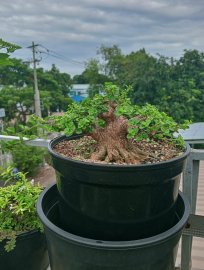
x,y
196,222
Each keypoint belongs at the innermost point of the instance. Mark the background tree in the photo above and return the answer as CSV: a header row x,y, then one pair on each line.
x,y
54,86
80,79
140,71
63,80
94,76
6,48
112,61
18,103
16,74
58,85
175,86
185,87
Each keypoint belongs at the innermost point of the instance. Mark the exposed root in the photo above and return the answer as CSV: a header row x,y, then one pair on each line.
x,y
112,142
100,154
118,154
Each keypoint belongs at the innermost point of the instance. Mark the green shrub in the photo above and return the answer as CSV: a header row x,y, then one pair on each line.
x,y
25,158
17,207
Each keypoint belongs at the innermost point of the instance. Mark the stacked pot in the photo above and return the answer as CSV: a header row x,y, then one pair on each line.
x,y
113,216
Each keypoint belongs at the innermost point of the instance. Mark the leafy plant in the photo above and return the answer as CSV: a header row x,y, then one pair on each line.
x,y
17,207
114,123
5,49
26,158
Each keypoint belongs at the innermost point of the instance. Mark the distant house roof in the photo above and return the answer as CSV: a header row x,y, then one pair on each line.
x,y
194,133
78,92
80,89
80,86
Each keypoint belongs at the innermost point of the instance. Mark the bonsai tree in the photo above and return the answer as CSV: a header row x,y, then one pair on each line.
x,y
17,207
115,125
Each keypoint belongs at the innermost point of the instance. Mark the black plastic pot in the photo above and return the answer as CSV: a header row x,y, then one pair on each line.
x,y
116,202
30,253
71,252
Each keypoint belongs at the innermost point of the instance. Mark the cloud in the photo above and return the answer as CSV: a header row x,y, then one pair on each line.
x,y
76,28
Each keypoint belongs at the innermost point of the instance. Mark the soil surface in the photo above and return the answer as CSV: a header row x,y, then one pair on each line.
x,y
81,149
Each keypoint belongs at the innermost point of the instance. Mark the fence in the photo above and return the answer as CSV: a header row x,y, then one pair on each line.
x,y
196,222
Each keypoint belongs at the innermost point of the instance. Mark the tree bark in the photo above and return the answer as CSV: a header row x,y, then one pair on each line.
x,y
112,142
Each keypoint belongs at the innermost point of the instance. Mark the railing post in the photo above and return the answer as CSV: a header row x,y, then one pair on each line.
x,y
190,187
196,164
186,242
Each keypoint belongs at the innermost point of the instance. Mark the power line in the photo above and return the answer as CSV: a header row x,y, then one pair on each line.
x,y
35,60
59,56
67,61
54,54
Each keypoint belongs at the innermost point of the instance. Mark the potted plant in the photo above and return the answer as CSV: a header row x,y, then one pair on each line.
x,y
22,241
118,166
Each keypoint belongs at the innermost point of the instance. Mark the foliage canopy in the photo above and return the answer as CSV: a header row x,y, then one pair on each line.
x,y
17,207
144,122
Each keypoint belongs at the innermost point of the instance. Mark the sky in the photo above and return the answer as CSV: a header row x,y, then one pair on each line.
x,y
70,32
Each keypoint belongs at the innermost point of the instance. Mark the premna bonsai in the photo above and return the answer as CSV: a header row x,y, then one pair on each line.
x,y
17,207
115,124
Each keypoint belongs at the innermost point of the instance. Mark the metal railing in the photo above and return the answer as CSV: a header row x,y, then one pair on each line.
x,y
36,142
190,186
195,226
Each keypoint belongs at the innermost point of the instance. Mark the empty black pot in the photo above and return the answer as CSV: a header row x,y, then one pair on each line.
x,y
71,252
116,202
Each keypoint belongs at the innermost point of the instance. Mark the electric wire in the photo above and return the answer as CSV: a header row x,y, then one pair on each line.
x,y
59,56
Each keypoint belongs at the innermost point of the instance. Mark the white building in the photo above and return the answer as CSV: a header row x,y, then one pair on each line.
x,y
79,91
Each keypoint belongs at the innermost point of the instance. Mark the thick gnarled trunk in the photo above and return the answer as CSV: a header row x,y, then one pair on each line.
x,y
112,142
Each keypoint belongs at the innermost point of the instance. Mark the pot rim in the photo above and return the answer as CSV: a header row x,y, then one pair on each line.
x,y
56,140
29,233
22,236
26,234
100,244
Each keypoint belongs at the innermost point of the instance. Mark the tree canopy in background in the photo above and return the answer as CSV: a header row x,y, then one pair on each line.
x,y
16,86
175,86
17,93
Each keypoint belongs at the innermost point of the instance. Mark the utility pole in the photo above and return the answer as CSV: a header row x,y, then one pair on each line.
x,y
37,93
